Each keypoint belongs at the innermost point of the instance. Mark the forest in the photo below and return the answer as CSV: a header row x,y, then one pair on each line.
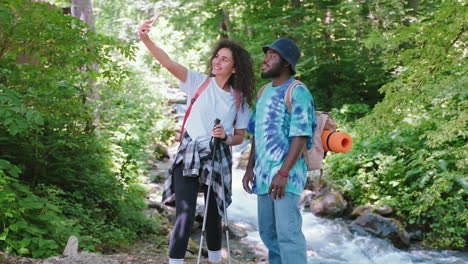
x,y
83,105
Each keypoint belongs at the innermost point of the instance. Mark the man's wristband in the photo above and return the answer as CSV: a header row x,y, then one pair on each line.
x,y
283,174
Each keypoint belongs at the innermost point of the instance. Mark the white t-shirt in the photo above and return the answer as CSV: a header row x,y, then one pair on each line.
x,y
212,103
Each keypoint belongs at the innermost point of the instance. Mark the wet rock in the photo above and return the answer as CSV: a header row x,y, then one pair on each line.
x,y
170,213
161,152
416,235
384,210
154,204
306,198
177,101
243,160
154,188
158,176
382,227
365,209
315,181
309,183
330,204
192,248
196,227
236,231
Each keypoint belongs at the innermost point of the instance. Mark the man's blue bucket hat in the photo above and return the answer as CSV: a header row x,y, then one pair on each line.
x,y
287,49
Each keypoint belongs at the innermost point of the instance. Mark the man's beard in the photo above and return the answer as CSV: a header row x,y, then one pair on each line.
x,y
274,72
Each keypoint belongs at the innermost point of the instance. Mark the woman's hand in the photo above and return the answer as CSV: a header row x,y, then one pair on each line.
x,y
144,29
219,132
179,71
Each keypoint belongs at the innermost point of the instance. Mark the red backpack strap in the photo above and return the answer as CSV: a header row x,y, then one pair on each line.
x,y
237,96
288,95
195,97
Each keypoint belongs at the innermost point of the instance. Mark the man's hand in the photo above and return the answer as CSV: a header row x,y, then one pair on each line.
x,y
277,187
248,180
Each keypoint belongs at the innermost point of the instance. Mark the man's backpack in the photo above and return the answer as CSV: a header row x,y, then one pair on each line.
x,y
326,138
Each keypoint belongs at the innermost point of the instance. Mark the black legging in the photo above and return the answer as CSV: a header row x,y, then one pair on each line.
x,y
186,190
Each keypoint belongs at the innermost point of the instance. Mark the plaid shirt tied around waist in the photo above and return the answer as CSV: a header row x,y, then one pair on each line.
x,y
197,162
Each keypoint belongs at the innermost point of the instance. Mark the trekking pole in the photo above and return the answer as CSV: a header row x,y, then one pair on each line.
x,y
213,156
225,225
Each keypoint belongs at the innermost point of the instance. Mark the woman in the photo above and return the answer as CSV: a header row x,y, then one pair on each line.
x,y
229,90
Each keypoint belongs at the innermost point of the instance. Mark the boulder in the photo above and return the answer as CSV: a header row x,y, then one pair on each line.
x,y
384,210
71,249
306,198
236,231
243,160
161,152
330,204
382,227
365,209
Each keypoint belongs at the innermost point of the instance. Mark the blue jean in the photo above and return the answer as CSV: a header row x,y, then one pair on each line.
x,y
280,226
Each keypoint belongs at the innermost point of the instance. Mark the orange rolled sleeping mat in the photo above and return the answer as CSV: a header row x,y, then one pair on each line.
x,y
336,141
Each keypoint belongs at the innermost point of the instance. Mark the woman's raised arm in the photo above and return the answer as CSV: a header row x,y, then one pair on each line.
x,y
179,71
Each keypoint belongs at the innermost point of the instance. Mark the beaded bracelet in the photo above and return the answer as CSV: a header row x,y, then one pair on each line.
x,y
283,174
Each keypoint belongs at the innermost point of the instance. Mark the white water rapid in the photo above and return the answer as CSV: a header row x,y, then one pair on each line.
x,y
330,241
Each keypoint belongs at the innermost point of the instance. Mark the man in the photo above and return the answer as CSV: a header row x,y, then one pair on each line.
x,y
276,158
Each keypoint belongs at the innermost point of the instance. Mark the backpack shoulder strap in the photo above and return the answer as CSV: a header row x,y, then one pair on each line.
x,y
197,94
262,90
200,89
237,97
288,95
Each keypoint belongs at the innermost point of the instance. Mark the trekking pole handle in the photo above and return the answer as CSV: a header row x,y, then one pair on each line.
x,y
216,122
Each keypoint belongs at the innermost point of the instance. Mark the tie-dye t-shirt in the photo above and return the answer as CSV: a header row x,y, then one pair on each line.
x,y
274,129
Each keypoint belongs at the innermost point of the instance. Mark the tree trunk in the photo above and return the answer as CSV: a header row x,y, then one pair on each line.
x,y
296,4
83,10
250,32
225,28
327,21
413,4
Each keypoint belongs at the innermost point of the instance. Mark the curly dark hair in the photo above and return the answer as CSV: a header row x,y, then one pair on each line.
x,y
244,79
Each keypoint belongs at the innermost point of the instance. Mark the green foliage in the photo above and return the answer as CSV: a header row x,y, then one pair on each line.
x,y
71,166
31,225
63,171
410,151
335,63
134,121
348,113
14,118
